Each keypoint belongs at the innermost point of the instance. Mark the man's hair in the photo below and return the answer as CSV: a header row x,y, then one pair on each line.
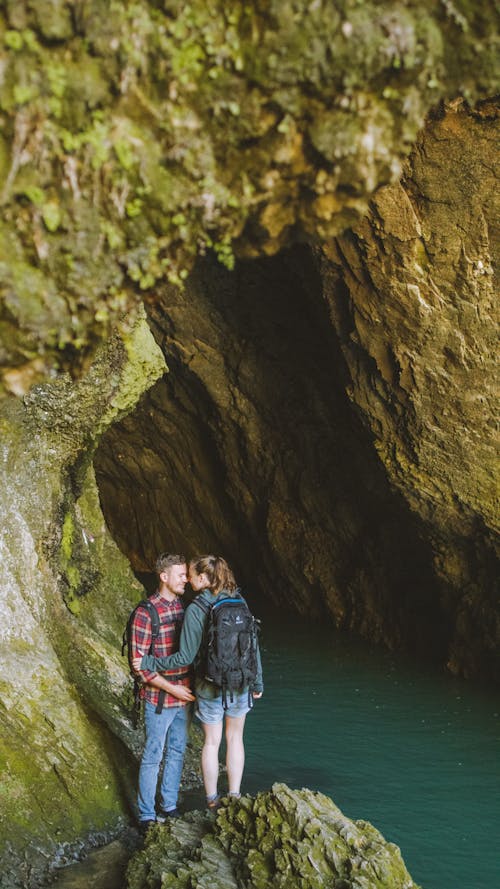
x,y
165,561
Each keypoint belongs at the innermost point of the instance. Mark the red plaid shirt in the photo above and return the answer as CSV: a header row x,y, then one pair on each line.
x,y
171,615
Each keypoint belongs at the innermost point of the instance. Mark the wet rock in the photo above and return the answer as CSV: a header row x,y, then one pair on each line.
x,y
281,839
66,741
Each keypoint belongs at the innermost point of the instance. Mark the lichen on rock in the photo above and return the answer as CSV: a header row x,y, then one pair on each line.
x,y
137,135
65,724
280,839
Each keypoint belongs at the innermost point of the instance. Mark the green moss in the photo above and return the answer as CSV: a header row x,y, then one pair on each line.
x,y
281,838
144,366
70,570
58,783
13,40
189,113
67,536
51,215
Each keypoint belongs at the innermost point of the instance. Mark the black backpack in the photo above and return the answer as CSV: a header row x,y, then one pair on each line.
x,y
126,647
228,653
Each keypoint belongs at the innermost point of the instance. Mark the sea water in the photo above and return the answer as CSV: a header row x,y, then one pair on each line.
x,y
404,746
397,743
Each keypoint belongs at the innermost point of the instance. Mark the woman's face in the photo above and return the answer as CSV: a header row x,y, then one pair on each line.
x,y
198,581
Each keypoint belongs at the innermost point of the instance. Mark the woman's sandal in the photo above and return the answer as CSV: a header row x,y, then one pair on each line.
x,y
213,804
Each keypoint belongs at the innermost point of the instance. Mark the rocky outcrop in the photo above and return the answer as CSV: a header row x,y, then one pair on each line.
x,y
281,839
65,594
136,138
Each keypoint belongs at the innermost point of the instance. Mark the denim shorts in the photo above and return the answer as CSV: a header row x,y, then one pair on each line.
x,y
211,710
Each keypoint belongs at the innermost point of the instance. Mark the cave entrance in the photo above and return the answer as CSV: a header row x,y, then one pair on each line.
x,y
250,447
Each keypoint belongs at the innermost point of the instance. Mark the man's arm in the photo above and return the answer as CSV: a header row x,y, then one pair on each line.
x,y
140,641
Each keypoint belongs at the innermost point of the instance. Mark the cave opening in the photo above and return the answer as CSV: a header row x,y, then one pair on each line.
x,y
249,446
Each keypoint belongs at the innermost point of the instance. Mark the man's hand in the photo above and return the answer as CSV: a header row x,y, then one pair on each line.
x,y
256,695
136,663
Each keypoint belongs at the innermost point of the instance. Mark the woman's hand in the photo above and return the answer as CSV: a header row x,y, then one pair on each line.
x,y
256,695
183,693
136,663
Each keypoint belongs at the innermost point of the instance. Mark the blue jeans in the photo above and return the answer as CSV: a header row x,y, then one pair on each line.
x,y
166,732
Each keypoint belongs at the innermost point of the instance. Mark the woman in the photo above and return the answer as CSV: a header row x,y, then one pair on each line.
x,y
213,579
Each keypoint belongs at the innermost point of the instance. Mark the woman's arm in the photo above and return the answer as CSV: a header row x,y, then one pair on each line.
x,y
181,692
189,643
257,686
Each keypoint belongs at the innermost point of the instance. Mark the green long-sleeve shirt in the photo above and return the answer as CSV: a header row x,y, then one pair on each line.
x,y
189,645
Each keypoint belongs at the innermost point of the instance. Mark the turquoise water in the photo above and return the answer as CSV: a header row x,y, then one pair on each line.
x,y
413,751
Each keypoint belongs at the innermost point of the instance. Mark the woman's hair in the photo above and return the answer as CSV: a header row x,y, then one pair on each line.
x,y
220,576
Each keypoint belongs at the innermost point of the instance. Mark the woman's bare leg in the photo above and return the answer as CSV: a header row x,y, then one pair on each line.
x,y
210,756
235,756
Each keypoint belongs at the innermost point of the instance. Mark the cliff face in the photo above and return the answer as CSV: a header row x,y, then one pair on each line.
x,y
65,594
328,421
412,293
327,418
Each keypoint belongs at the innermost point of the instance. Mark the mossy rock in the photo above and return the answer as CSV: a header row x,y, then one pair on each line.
x,y
137,135
280,839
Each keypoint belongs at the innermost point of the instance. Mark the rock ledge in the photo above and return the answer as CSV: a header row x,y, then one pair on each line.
x,y
296,839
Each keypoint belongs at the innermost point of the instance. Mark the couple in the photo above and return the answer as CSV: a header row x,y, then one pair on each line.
x,y
167,693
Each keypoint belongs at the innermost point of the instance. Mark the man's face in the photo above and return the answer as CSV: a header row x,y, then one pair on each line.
x,y
175,579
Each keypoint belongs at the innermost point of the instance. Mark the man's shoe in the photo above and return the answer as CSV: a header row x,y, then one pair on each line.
x,y
163,815
144,826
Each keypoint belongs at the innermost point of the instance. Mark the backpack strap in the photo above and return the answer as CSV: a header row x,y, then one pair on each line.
x,y
200,655
162,694
205,607
155,632
155,622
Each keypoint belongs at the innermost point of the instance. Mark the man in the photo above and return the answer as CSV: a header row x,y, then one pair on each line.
x,y
166,697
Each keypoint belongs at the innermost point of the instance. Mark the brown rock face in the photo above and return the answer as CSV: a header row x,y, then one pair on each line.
x,y
250,445
326,421
417,322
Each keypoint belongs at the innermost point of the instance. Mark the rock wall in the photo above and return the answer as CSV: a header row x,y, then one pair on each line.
x,y
329,422
413,296
65,593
